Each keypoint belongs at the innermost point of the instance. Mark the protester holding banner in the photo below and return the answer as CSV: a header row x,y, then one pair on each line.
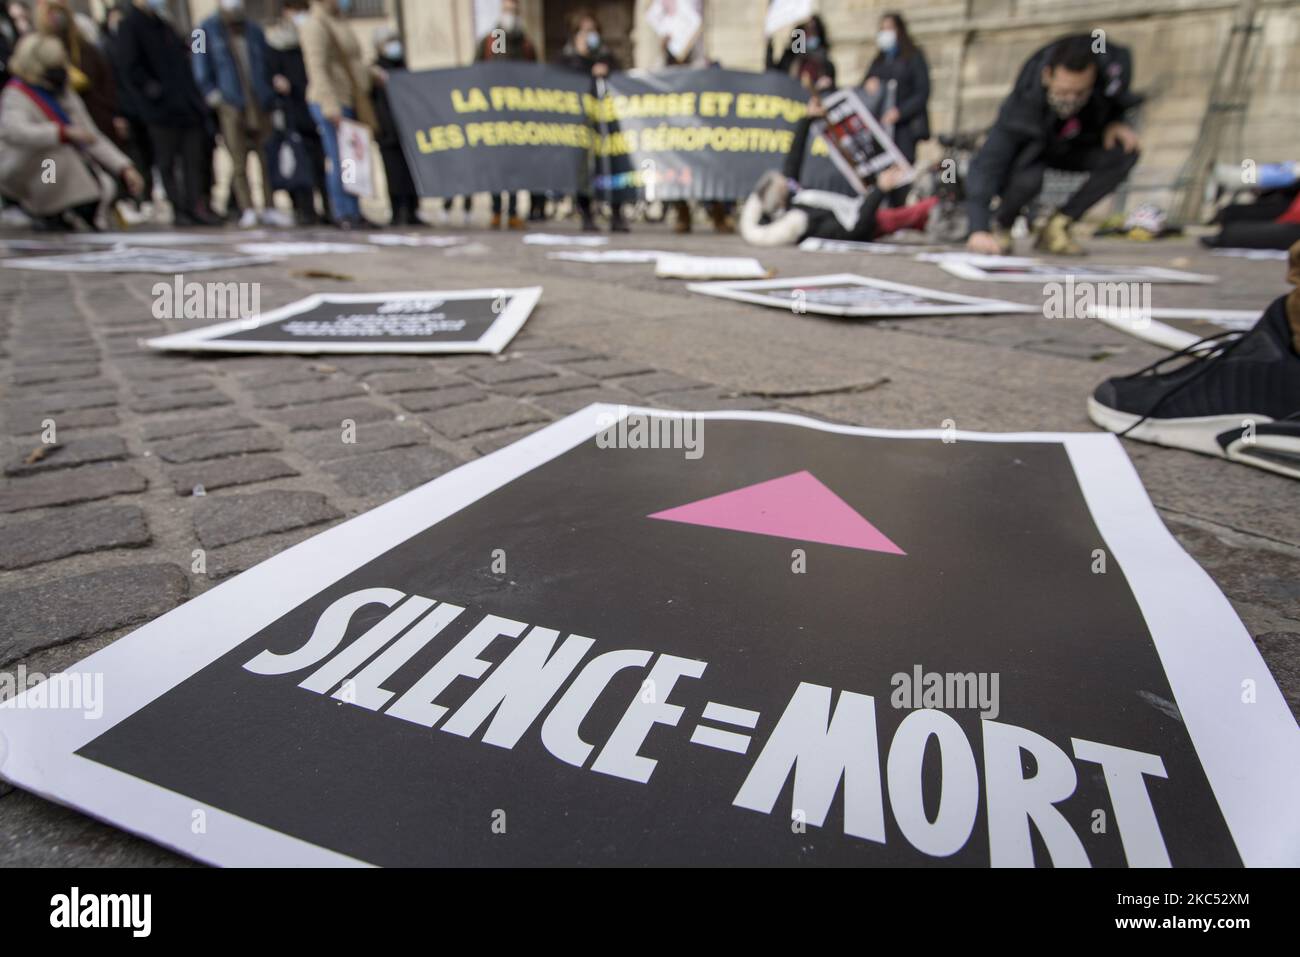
x,y
403,197
160,81
780,212
338,86
587,53
907,114
807,56
507,41
45,125
1067,111
233,77
292,119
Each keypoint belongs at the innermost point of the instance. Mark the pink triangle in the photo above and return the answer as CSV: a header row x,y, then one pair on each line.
x,y
794,506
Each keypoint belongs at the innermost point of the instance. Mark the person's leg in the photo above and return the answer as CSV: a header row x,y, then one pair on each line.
x,y
1023,184
231,120
341,204
496,210
914,216
681,216
195,153
583,202
906,144
140,150
165,141
1106,169
1254,235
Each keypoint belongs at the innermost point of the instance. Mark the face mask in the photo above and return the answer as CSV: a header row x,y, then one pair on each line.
x,y
345,6
814,42
593,40
1065,106
55,78
300,17
509,22
392,50
158,6
233,6
887,40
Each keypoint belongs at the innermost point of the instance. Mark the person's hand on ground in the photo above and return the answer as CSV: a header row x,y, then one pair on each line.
x,y
1123,135
983,243
133,180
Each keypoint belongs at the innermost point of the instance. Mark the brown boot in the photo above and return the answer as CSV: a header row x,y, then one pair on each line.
x,y
514,223
1055,237
683,221
495,221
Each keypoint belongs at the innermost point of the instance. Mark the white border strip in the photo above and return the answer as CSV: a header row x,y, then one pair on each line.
x,y
1251,753
494,339
1146,324
752,291
970,270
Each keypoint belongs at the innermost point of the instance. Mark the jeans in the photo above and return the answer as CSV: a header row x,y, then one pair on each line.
x,y
343,205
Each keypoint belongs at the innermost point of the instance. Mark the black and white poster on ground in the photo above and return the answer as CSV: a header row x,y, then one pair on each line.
x,y
983,270
132,259
851,295
466,320
653,638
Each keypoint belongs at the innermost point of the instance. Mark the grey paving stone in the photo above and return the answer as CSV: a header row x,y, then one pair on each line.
x,y
158,429
606,368
330,415
85,484
42,357
566,402
51,613
368,365
368,437
499,440
62,455
186,400
709,400
290,372
304,393
555,354
226,519
31,423
203,446
227,472
69,401
88,383
414,381
392,471
556,383
489,415
516,370
35,833
72,531
439,399
657,382
166,387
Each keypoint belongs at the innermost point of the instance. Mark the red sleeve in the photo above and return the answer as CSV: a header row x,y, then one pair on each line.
x,y
1292,214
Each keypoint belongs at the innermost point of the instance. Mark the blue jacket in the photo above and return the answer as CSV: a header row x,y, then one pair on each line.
x,y
216,69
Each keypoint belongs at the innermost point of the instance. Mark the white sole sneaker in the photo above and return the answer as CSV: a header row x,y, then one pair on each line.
x,y
1249,439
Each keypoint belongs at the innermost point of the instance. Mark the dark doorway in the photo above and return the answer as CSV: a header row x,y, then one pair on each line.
x,y
615,16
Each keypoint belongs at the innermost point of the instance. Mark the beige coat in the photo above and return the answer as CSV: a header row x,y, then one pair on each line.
x,y
28,139
336,77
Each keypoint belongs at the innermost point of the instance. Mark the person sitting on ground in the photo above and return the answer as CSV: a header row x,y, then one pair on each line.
x,y
779,212
52,152
1237,395
1271,222
1067,111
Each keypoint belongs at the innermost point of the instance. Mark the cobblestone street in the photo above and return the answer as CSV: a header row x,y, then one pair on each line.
x,y
174,472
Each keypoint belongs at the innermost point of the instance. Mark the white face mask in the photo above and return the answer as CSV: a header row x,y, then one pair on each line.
x,y
300,17
393,49
887,40
509,22
232,6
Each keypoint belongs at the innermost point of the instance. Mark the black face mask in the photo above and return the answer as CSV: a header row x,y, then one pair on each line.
x,y
56,78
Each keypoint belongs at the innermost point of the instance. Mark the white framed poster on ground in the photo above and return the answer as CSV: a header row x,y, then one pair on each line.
x,y
1040,272
851,295
1176,329
435,320
950,593
132,259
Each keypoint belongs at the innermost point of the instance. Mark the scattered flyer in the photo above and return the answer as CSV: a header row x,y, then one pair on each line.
x,y
406,239
848,294
815,245
468,320
132,259
608,255
564,239
675,266
999,269
302,248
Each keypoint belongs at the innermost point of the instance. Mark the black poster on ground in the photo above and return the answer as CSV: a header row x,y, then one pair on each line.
x,y
646,638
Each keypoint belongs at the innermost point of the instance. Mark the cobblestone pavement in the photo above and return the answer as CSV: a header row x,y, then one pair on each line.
x,y
242,456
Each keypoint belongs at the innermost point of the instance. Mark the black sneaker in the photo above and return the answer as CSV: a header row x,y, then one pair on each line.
x,y
1236,395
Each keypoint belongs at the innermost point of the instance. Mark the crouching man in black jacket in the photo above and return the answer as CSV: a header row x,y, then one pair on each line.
x,y
1067,111
779,212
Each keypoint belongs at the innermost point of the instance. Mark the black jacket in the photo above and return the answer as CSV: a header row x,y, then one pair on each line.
x,y
823,223
573,60
156,71
286,60
912,74
1027,129
386,135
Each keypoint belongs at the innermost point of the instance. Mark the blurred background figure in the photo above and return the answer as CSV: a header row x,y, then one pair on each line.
x,y
133,134
402,195
587,53
338,86
805,55
44,127
507,41
160,81
232,74
290,115
901,62
20,15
